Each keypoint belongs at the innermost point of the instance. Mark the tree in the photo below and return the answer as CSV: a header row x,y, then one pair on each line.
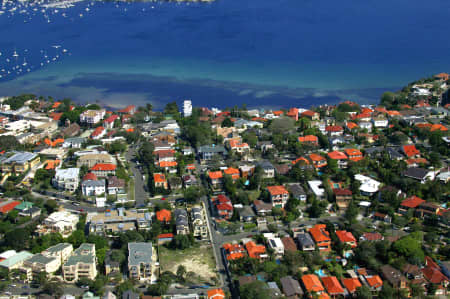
x,y
171,109
53,288
17,239
282,125
253,290
76,238
363,292
227,123
410,247
387,292
51,206
181,272
352,212
181,242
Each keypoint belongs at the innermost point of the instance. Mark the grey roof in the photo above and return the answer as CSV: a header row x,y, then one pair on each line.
x,y
84,254
75,140
296,189
139,252
416,173
41,259
266,165
20,157
246,211
374,150
18,257
305,240
58,247
92,183
212,149
393,153
130,295
116,182
290,286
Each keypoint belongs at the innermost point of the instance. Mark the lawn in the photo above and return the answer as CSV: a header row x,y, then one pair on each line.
x,y
199,260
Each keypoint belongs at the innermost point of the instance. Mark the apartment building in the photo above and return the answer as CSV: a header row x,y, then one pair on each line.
x,y
91,159
199,222
92,116
117,221
142,261
19,162
81,264
67,179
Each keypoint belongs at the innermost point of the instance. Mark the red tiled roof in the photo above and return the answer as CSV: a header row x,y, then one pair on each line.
x,y
127,109
319,233
432,272
159,177
334,129
351,125
97,131
374,281
342,192
277,190
104,167
412,202
337,155
316,157
164,236
301,159
308,138
163,164
410,150
216,294
312,283
56,105
213,175
254,251
351,284
308,113
56,116
164,215
345,236
332,285
373,236
90,176
111,119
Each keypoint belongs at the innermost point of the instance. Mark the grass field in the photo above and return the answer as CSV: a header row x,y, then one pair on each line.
x,y
199,260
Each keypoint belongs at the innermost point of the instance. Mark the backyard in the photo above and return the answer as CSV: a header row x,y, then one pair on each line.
x,y
198,260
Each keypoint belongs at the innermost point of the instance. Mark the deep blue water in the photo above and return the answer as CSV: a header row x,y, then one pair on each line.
x,y
261,52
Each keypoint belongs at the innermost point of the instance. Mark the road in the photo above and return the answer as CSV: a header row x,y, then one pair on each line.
x,y
140,196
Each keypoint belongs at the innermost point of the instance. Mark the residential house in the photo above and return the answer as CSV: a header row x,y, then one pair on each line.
x,y
394,277
289,244
159,179
71,130
333,286
312,284
321,236
305,242
233,251
265,146
334,130
433,274
142,261
75,142
93,187
380,122
410,151
164,215
62,222
316,189
374,282
317,160
419,174
346,237
238,146
268,169
368,185
365,125
409,203
209,152
256,251
310,114
309,140
297,191
232,172
246,214
427,209
81,264
189,180
116,185
262,208
104,169
372,237
291,287
215,177
90,159
276,245
343,198
98,133
278,196
353,154
223,206
67,179
215,294
412,272
175,183
109,122
181,221
340,157
351,284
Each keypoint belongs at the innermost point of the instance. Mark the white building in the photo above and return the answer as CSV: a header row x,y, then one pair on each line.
x,y
62,222
368,186
93,187
365,125
92,116
277,245
81,264
316,189
187,108
380,122
66,179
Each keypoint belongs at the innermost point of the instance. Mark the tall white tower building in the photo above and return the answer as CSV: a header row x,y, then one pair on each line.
x,y
187,108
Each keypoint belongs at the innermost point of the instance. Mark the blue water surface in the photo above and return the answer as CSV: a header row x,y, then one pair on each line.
x,y
262,52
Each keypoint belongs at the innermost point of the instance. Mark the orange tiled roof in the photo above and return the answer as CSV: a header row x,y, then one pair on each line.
x,y
337,155
410,150
366,110
52,164
163,164
312,283
412,202
301,159
278,113
351,125
308,113
334,129
345,236
190,166
164,215
89,176
417,161
56,105
277,190
319,233
308,138
159,177
254,251
213,175
351,284
438,127
97,131
104,167
111,119
216,294
236,143
316,157
374,281
231,171
56,115
332,285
